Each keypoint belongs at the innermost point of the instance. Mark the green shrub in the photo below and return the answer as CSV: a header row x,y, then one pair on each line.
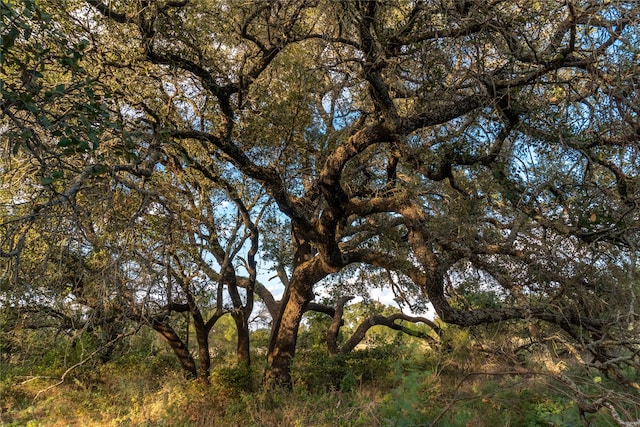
x,y
235,377
317,371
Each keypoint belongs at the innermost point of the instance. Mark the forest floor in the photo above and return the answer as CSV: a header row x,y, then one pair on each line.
x,y
365,389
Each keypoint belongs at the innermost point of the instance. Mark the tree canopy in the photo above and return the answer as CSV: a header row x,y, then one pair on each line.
x,y
478,156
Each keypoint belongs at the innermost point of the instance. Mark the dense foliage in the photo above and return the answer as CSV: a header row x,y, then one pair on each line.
x,y
163,161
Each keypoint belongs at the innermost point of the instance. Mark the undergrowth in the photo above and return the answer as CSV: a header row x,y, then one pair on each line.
x,y
389,385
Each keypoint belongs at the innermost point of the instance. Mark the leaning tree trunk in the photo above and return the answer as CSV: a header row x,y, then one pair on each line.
x,y
242,313
178,346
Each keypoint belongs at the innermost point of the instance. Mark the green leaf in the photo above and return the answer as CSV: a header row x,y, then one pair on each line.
x,y
9,39
31,106
44,120
83,147
65,142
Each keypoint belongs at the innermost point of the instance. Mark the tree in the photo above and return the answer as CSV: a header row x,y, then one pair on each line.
x,y
82,240
459,145
382,316
205,230
51,106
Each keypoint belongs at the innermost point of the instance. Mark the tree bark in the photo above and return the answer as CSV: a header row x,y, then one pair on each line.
x,y
284,335
242,350
177,345
334,328
202,337
307,271
390,322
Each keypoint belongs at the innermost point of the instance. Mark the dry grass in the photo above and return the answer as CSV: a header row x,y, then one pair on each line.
x,y
459,389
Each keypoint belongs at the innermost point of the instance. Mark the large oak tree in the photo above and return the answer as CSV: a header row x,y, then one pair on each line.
x,y
461,146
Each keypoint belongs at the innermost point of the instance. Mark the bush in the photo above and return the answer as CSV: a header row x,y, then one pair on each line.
x,y
237,378
317,371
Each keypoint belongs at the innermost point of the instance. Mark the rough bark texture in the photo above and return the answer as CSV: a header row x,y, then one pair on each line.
x,y
204,358
283,339
308,270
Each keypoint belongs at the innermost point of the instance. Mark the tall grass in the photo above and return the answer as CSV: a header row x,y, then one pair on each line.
x,y
389,385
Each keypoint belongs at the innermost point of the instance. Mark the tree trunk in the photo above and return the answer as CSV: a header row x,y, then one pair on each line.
x,y
334,328
284,335
177,345
202,336
242,350
308,270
